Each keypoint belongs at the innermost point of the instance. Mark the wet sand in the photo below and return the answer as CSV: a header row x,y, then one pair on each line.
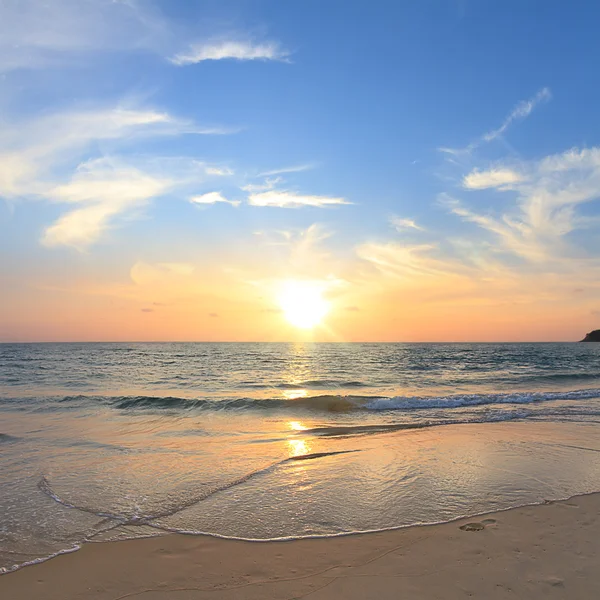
x,y
547,551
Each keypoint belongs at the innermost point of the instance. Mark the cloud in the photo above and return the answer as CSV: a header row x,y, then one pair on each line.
x,y
40,34
291,169
494,178
524,256
213,198
521,111
101,191
213,315
40,160
404,224
232,50
268,184
547,194
147,310
410,262
352,308
219,171
31,148
287,199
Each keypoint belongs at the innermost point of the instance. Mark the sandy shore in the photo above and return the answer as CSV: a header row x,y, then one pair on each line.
x,y
548,551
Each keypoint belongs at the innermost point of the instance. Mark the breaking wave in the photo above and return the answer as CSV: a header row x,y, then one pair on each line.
x,y
322,402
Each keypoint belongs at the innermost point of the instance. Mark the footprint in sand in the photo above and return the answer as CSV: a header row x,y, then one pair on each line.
x,y
476,526
472,527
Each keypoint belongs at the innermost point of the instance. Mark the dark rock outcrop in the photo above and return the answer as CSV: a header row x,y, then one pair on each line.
x,y
592,336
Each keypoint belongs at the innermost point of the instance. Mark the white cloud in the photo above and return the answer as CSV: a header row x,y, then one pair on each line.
x,y
401,224
290,169
547,197
219,171
45,34
521,111
30,149
411,263
287,199
101,190
231,49
213,198
268,184
494,178
38,33
587,158
39,158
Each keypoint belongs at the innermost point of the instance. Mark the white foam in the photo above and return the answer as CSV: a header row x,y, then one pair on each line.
x,y
37,561
416,402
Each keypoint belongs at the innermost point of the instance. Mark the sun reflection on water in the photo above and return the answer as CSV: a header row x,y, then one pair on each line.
x,y
295,394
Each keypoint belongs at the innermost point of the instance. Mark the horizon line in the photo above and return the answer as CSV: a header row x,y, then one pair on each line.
x,y
289,342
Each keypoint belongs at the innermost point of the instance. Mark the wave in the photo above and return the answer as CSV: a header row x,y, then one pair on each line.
x,y
362,430
459,400
339,403
319,403
37,561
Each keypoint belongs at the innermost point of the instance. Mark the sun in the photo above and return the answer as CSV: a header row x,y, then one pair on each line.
x,y
302,303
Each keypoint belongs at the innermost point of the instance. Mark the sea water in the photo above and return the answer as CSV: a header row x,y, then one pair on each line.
x,y
104,442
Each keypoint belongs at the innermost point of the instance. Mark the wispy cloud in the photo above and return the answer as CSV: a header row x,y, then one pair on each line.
x,y
523,256
36,33
290,169
32,148
219,171
40,34
40,160
213,198
521,111
268,184
547,194
401,224
410,262
493,178
101,190
288,199
230,49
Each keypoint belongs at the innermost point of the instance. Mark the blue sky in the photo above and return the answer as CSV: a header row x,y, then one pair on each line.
x,y
416,147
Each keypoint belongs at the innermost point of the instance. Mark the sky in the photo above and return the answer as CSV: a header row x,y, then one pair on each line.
x,y
183,170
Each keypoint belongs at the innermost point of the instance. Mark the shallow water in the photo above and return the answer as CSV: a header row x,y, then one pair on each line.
x,y
269,441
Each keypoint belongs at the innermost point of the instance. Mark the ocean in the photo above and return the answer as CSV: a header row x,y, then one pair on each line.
x,y
269,441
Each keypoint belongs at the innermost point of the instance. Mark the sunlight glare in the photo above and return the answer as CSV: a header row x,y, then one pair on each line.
x,y
297,426
302,303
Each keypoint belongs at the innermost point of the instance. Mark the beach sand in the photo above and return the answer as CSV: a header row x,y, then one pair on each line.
x,y
547,551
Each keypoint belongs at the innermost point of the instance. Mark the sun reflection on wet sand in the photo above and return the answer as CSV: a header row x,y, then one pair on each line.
x,y
298,447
